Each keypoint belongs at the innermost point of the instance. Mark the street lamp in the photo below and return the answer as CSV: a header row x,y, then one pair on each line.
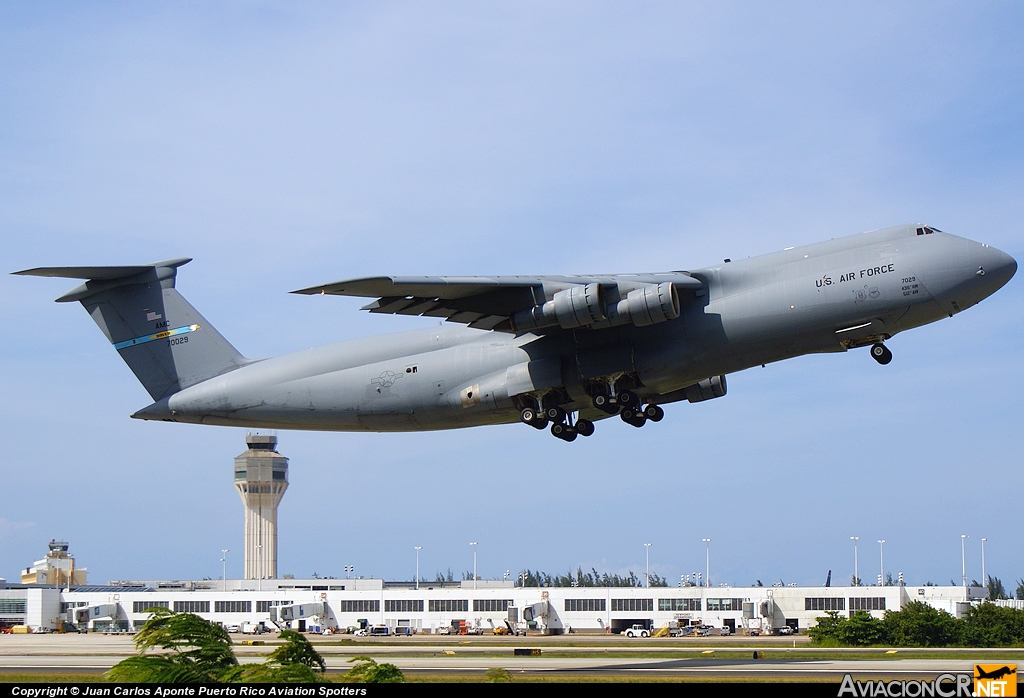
x,y
984,579
224,553
647,548
881,564
474,563
418,549
707,561
856,571
963,560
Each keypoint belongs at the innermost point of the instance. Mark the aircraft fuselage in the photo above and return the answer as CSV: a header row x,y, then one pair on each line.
x,y
826,297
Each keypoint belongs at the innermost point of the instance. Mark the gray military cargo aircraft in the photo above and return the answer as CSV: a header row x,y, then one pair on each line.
x,y
558,352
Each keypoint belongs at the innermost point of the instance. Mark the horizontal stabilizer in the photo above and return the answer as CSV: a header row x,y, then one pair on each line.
x,y
100,278
99,273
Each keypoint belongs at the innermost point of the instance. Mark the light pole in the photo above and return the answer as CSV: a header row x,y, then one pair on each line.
x,y
881,564
856,572
223,559
474,563
707,561
984,579
259,568
647,549
349,569
418,549
963,560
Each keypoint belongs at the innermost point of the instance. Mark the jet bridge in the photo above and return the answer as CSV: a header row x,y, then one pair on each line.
x,y
299,612
547,622
86,615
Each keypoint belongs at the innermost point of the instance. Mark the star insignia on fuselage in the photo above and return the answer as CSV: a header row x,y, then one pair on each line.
x,y
386,379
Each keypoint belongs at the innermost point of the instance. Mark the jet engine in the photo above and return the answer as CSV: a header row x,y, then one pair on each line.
x,y
707,389
647,305
574,307
585,306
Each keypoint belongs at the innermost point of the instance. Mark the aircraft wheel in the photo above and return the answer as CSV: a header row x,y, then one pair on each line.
x,y
628,398
530,417
585,427
654,413
605,404
563,431
555,413
633,417
881,353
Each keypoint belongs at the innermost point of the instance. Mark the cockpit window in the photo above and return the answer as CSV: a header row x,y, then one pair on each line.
x,y
927,231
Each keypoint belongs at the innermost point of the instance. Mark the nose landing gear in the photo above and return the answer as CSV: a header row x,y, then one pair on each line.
x,y
881,353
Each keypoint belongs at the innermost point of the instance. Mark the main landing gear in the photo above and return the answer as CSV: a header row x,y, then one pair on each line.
x,y
565,426
638,417
881,353
562,424
627,405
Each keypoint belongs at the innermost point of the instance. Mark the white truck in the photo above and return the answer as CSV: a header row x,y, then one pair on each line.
x,y
637,631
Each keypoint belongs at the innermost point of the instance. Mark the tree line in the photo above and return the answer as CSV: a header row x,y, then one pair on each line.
x,y
919,625
579,578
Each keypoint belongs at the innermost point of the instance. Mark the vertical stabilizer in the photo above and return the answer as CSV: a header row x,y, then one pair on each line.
x,y
163,339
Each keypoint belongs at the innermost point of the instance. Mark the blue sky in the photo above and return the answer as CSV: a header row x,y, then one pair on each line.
x,y
283,145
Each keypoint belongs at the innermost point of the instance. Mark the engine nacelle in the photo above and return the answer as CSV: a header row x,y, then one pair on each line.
x,y
707,389
584,306
579,306
647,305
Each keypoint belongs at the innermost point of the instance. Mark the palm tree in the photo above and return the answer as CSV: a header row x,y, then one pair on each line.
x,y
198,651
195,651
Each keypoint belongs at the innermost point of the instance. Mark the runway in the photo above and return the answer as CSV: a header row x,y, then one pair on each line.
x,y
97,653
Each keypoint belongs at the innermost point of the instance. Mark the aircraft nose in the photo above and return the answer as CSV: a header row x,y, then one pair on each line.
x,y
996,268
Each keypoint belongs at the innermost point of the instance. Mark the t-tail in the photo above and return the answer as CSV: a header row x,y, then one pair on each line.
x,y
163,339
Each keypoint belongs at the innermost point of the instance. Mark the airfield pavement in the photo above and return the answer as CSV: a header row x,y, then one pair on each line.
x,y
789,659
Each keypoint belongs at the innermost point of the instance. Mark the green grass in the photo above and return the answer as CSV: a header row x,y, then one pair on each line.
x,y
53,677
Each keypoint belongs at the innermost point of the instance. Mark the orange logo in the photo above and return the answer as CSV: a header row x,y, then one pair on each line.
x,y
995,679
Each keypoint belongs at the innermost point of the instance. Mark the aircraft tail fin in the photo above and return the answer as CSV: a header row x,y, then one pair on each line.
x,y
163,339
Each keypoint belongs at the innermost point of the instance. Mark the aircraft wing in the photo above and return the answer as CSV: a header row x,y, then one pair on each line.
x,y
514,303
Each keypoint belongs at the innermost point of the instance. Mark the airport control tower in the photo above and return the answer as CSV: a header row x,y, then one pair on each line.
x,y
261,477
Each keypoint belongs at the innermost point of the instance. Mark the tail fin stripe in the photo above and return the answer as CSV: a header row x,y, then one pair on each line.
x,y
153,337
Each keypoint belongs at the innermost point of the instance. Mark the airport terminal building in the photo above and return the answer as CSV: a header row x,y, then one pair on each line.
x,y
340,604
